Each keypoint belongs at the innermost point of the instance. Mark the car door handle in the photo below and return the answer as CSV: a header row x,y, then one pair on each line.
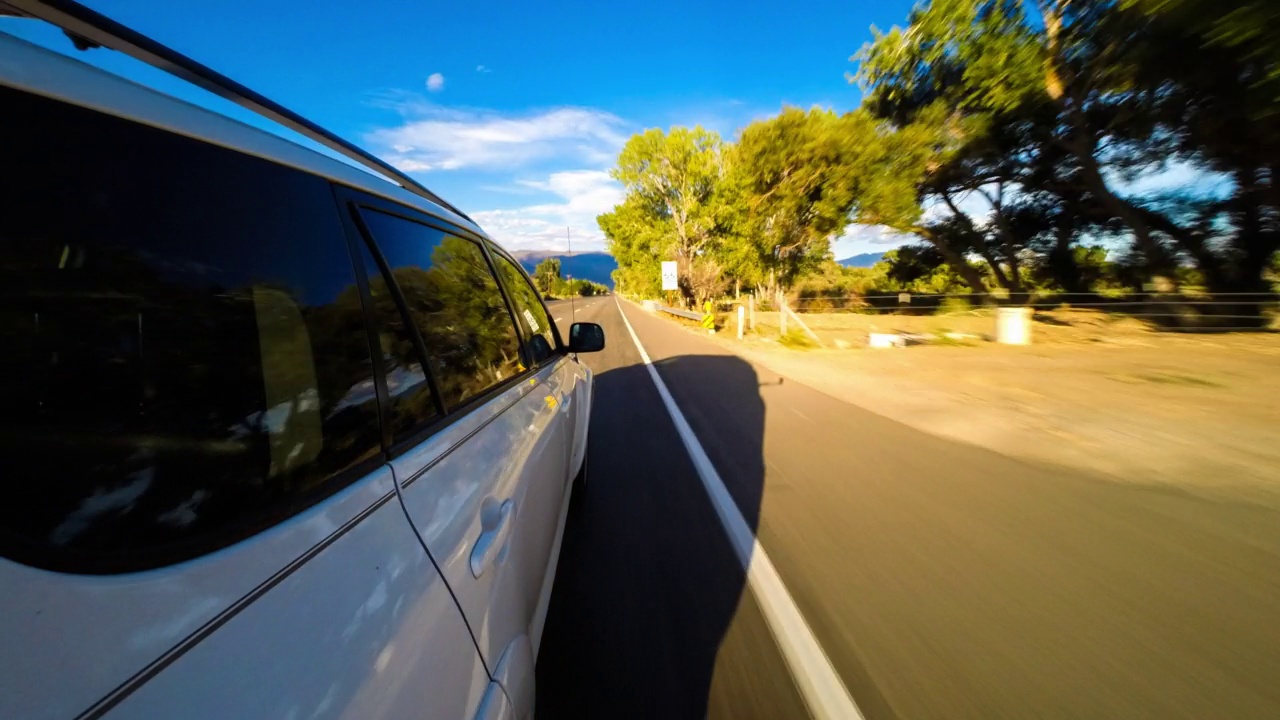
x,y
495,526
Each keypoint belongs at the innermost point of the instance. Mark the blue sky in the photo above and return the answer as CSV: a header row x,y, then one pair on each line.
x,y
511,110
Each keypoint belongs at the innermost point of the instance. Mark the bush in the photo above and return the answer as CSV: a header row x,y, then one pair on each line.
x,y
817,304
952,305
796,340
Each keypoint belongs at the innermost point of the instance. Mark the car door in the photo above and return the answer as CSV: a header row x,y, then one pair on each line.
x,y
481,467
566,380
361,627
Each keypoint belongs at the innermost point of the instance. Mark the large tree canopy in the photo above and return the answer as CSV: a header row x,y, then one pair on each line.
x,y
797,172
676,208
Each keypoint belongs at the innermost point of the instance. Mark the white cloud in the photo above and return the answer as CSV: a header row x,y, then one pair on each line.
x,y
584,194
858,238
435,82
875,235
432,137
483,69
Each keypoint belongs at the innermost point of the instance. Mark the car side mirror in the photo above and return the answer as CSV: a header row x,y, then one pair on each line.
x,y
585,338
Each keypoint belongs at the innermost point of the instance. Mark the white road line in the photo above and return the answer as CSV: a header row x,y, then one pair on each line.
x,y
806,417
819,684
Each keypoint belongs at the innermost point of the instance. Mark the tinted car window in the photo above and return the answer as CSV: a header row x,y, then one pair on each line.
x,y
413,405
530,313
454,301
188,361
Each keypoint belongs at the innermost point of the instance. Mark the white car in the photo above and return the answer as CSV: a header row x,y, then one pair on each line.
x,y
283,439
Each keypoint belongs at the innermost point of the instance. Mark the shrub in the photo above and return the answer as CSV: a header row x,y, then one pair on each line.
x,y
796,340
953,305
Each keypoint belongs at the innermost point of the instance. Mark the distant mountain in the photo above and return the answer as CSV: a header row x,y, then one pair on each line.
x,y
593,266
864,260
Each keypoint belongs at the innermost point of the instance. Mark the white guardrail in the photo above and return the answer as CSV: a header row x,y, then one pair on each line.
x,y
681,313
655,306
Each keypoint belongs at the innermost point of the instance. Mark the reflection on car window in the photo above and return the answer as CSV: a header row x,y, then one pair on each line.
x,y
189,361
533,317
412,403
454,301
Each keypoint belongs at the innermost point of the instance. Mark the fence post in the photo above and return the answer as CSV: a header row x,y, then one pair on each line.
x,y
782,314
751,305
741,313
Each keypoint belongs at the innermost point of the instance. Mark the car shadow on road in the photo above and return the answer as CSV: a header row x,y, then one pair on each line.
x,y
648,584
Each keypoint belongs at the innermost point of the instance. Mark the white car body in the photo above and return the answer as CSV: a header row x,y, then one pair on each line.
x,y
366,604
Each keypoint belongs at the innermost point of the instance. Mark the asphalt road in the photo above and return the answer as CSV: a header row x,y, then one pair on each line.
x,y
942,580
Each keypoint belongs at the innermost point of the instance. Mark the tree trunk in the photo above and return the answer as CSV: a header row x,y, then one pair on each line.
x,y
1060,85
1001,279
1206,261
1016,291
1083,146
1063,260
1052,18
1157,259
979,242
967,272
1010,243
1273,186
1257,244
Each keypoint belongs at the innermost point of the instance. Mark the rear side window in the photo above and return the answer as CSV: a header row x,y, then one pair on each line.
x,y
531,315
186,357
413,405
454,302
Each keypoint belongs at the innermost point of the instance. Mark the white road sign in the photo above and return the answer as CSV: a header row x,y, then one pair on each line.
x,y
669,280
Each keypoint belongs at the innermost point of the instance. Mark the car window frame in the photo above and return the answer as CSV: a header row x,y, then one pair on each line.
x,y
561,349
352,201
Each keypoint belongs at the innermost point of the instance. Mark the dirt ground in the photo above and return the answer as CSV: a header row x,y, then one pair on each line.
x,y
1197,412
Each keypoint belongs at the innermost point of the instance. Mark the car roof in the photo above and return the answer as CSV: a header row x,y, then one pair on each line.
x,y
31,68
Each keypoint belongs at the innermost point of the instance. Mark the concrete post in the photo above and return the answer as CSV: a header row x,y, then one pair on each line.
x,y
1013,325
741,314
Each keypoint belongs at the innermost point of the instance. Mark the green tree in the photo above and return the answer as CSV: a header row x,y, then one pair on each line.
x,y
639,240
955,87
906,174
546,273
1210,75
674,209
799,171
1061,99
